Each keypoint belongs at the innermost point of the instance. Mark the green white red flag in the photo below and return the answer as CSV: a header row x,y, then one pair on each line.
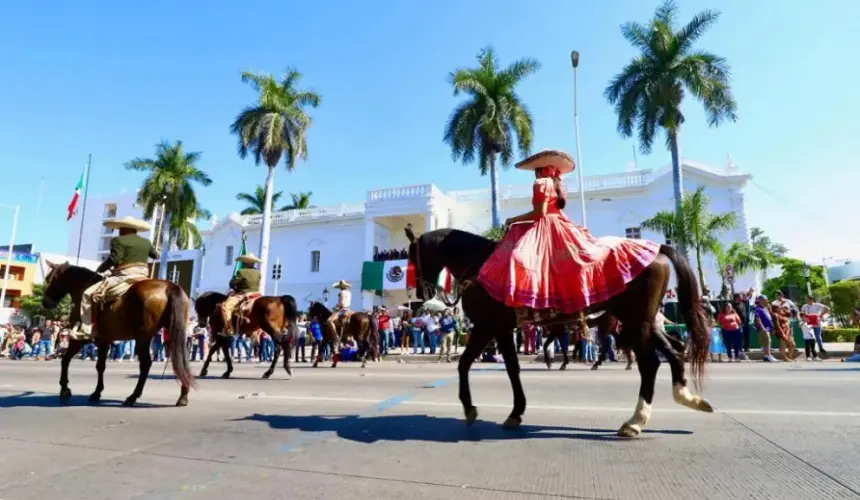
x,y
73,205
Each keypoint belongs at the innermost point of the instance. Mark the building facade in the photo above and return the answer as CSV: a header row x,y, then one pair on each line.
x,y
318,246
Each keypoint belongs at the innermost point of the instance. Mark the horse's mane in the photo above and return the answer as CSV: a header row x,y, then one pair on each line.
x,y
318,309
468,249
79,273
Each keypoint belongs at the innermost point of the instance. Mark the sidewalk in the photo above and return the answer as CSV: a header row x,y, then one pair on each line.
x,y
835,352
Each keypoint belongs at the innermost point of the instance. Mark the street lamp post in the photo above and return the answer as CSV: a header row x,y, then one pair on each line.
x,y
574,61
9,253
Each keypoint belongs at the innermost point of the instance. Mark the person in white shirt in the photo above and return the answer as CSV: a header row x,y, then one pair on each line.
x,y
301,341
341,310
814,313
431,325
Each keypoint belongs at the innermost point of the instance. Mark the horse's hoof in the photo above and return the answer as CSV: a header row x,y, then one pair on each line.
x,y
705,406
65,396
364,365
182,401
563,367
204,373
628,431
549,366
225,375
267,375
471,416
594,367
314,365
512,423
629,367
95,398
129,401
289,372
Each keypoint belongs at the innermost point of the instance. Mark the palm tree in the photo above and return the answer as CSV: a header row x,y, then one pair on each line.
x,y
257,201
743,258
183,228
169,185
300,201
493,119
274,128
698,227
766,250
648,92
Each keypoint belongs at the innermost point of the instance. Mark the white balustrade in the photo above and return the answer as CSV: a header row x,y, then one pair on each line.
x,y
400,193
307,214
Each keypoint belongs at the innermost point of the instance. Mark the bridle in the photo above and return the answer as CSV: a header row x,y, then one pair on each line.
x,y
461,282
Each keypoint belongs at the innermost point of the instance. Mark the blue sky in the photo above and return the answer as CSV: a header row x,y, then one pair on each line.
x,y
112,79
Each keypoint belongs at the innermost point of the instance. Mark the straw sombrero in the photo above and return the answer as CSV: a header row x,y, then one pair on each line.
x,y
128,222
548,158
248,259
342,285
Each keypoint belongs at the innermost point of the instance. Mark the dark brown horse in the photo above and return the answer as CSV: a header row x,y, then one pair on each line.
x,y
360,326
463,253
272,315
146,308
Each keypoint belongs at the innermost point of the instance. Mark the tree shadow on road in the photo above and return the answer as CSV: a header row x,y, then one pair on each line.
x,y
371,429
33,399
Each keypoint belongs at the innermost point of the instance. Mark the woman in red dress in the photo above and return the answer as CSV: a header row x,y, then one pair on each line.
x,y
546,262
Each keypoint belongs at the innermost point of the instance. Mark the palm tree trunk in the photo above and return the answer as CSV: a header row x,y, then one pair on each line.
x,y
266,232
165,243
494,191
678,187
702,283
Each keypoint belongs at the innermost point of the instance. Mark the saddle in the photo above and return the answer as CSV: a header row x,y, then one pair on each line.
x,y
243,309
110,294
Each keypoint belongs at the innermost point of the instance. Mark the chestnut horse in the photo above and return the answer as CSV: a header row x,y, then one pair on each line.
x,y
360,326
146,308
464,253
269,314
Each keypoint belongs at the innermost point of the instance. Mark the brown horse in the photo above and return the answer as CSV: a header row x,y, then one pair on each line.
x,y
360,326
147,307
463,253
269,314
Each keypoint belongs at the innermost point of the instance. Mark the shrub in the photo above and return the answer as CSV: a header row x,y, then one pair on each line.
x,y
839,334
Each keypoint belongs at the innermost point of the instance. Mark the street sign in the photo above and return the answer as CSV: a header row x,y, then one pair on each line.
x,y
730,273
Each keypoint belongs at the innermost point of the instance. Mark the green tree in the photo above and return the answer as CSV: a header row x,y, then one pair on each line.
x,y
275,127
495,233
32,305
183,227
845,296
697,227
486,126
792,278
741,256
257,200
171,175
649,91
300,201
763,242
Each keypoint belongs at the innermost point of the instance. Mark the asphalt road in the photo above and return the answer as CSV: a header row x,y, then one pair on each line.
x,y
787,431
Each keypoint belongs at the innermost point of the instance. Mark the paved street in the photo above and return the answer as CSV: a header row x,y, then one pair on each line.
x,y
396,431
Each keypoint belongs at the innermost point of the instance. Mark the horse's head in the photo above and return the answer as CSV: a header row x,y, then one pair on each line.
x,y
56,284
425,265
319,311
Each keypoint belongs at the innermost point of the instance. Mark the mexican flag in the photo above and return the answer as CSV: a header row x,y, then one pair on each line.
x,y
396,275
73,205
242,251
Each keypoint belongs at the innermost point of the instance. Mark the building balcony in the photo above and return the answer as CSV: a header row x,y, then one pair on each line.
x,y
403,193
320,214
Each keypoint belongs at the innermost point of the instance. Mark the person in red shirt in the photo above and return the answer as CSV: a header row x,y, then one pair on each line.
x,y
730,324
385,333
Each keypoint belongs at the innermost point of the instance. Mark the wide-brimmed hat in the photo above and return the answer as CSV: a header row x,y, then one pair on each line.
x,y
248,258
342,285
548,158
128,222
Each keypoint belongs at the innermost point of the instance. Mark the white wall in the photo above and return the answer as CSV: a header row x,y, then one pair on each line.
x,y
93,230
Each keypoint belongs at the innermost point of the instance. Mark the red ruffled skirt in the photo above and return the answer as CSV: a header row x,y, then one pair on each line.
x,y
555,264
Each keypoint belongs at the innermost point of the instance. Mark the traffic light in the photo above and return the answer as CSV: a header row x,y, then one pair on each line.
x,y
276,272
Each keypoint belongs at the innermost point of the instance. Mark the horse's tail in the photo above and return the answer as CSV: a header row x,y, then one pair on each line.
x,y
175,319
690,308
291,315
374,338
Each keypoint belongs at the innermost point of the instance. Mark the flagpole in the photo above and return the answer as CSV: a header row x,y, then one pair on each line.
x,y
84,208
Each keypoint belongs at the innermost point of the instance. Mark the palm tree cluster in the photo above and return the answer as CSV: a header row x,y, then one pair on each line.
x,y
169,189
489,127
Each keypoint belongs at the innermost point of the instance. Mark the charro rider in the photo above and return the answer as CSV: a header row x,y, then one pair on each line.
x,y
125,266
341,310
245,283
552,265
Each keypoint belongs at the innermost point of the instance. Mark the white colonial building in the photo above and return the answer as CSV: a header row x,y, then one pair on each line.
x,y
319,246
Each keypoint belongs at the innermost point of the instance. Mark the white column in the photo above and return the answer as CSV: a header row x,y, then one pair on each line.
x,y
428,220
369,233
